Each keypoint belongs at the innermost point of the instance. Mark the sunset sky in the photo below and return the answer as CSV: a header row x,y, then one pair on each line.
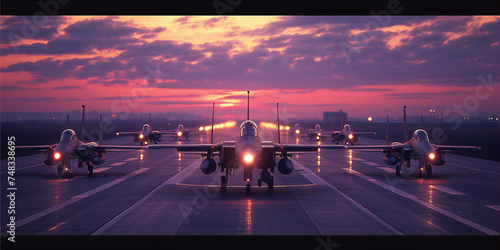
x,y
365,65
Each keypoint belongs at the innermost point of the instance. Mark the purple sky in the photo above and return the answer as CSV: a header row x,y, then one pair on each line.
x,y
309,64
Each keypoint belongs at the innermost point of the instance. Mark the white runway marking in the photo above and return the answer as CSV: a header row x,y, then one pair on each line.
x,y
78,197
318,181
131,159
371,163
495,207
446,190
118,163
17,169
416,199
97,170
173,180
387,169
357,159
480,170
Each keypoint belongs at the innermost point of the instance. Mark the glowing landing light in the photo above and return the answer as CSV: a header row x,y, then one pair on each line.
x,y
117,133
297,131
287,127
141,136
57,156
317,137
142,157
201,129
432,156
145,143
248,158
179,133
319,134
370,119
350,136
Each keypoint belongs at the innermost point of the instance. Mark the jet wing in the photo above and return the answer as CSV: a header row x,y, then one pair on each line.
x,y
39,147
364,133
127,133
445,147
186,148
378,147
118,148
307,148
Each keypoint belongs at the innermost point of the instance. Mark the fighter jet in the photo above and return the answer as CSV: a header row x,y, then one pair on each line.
x,y
155,136
69,147
348,135
317,133
248,151
418,147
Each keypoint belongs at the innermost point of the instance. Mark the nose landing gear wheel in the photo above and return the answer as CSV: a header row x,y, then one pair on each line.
x,y
428,169
59,171
90,169
270,184
247,189
223,183
398,170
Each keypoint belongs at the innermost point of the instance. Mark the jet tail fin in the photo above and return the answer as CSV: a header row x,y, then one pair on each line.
x,y
248,105
212,131
100,130
159,124
150,121
82,135
341,120
405,128
352,123
140,125
387,132
278,115
422,122
67,121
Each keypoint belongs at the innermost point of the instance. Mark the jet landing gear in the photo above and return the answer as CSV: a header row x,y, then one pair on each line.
x,y
267,178
428,169
90,169
62,170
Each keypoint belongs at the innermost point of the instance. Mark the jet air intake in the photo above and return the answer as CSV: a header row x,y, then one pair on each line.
x,y
285,166
208,166
98,159
390,160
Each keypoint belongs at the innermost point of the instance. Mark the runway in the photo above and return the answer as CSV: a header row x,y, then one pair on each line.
x,y
332,192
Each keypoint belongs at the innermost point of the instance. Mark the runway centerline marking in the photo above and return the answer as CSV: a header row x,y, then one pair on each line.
x,y
118,163
371,163
495,207
446,190
131,159
421,202
319,181
78,197
172,180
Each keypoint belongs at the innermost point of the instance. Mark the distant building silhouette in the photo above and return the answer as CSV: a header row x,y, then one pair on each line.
x,y
336,117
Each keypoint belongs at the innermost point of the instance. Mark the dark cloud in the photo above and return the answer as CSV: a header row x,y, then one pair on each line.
x,y
66,87
12,88
18,28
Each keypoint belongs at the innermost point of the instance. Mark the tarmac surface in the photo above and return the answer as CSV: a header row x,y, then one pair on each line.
x,y
331,192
